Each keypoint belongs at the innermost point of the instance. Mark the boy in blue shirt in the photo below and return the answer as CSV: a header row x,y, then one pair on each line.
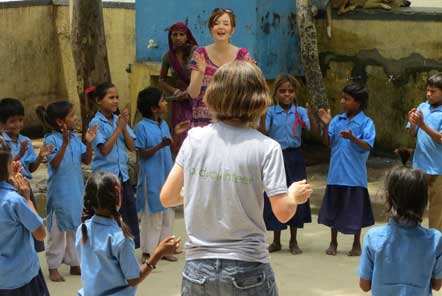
x,y
425,123
12,115
402,257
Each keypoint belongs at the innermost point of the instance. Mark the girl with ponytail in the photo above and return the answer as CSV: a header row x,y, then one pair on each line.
x,y
65,184
105,246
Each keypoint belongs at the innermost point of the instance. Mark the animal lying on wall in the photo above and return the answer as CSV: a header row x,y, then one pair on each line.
x,y
344,6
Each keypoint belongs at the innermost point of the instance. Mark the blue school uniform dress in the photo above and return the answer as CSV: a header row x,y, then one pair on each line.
x,y
28,158
286,129
428,154
19,266
401,259
115,162
153,170
107,259
346,205
65,183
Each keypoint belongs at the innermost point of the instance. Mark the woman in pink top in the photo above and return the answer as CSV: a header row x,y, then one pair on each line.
x,y
207,59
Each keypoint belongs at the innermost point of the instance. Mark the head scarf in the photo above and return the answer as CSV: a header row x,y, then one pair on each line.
x,y
175,64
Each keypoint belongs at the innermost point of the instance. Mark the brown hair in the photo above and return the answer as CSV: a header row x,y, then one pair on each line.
x,y
217,13
5,159
281,79
238,91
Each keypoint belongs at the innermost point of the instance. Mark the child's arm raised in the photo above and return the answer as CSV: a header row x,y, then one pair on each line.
x,y
55,162
167,247
349,136
170,195
284,205
23,188
107,147
325,117
436,136
146,153
412,130
45,150
130,143
91,134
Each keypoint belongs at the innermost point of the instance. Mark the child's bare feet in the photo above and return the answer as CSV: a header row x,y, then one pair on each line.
x,y
274,247
75,270
55,276
332,249
294,248
355,251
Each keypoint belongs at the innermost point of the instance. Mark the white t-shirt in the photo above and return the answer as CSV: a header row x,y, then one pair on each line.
x,y
226,171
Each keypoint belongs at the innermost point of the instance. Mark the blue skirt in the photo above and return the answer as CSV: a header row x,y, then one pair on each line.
x,y
346,209
128,211
36,287
294,164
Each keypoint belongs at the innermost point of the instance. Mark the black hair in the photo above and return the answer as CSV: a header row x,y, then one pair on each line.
x,y
358,92
5,159
101,90
54,111
102,191
435,80
148,98
10,107
406,194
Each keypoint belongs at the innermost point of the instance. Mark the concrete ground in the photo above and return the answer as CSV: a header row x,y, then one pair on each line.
x,y
310,274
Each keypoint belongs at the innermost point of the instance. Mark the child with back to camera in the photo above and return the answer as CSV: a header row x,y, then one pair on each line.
x,y
20,273
225,168
402,257
105,245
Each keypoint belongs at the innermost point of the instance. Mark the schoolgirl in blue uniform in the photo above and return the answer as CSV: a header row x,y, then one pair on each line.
x,y
346,205
106,247
114,137
65,184
284,123
20,273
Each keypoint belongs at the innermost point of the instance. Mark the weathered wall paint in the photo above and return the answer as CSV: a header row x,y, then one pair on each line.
x,y
36,55
394,57
266,28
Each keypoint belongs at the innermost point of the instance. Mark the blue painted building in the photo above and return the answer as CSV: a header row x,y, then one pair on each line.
x,y
267,28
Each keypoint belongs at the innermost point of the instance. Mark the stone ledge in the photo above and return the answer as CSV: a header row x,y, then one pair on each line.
x,y
27,3
404,13
127,5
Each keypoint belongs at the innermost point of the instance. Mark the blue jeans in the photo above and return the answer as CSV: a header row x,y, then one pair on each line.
x,y
222,277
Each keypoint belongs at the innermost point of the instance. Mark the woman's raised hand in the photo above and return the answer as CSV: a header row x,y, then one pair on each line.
x,y
200,62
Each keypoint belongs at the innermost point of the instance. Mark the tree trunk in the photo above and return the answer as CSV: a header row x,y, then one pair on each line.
x,y
89,52
309,54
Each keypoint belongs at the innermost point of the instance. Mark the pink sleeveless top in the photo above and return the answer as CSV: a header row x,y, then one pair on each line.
x,y
200,113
